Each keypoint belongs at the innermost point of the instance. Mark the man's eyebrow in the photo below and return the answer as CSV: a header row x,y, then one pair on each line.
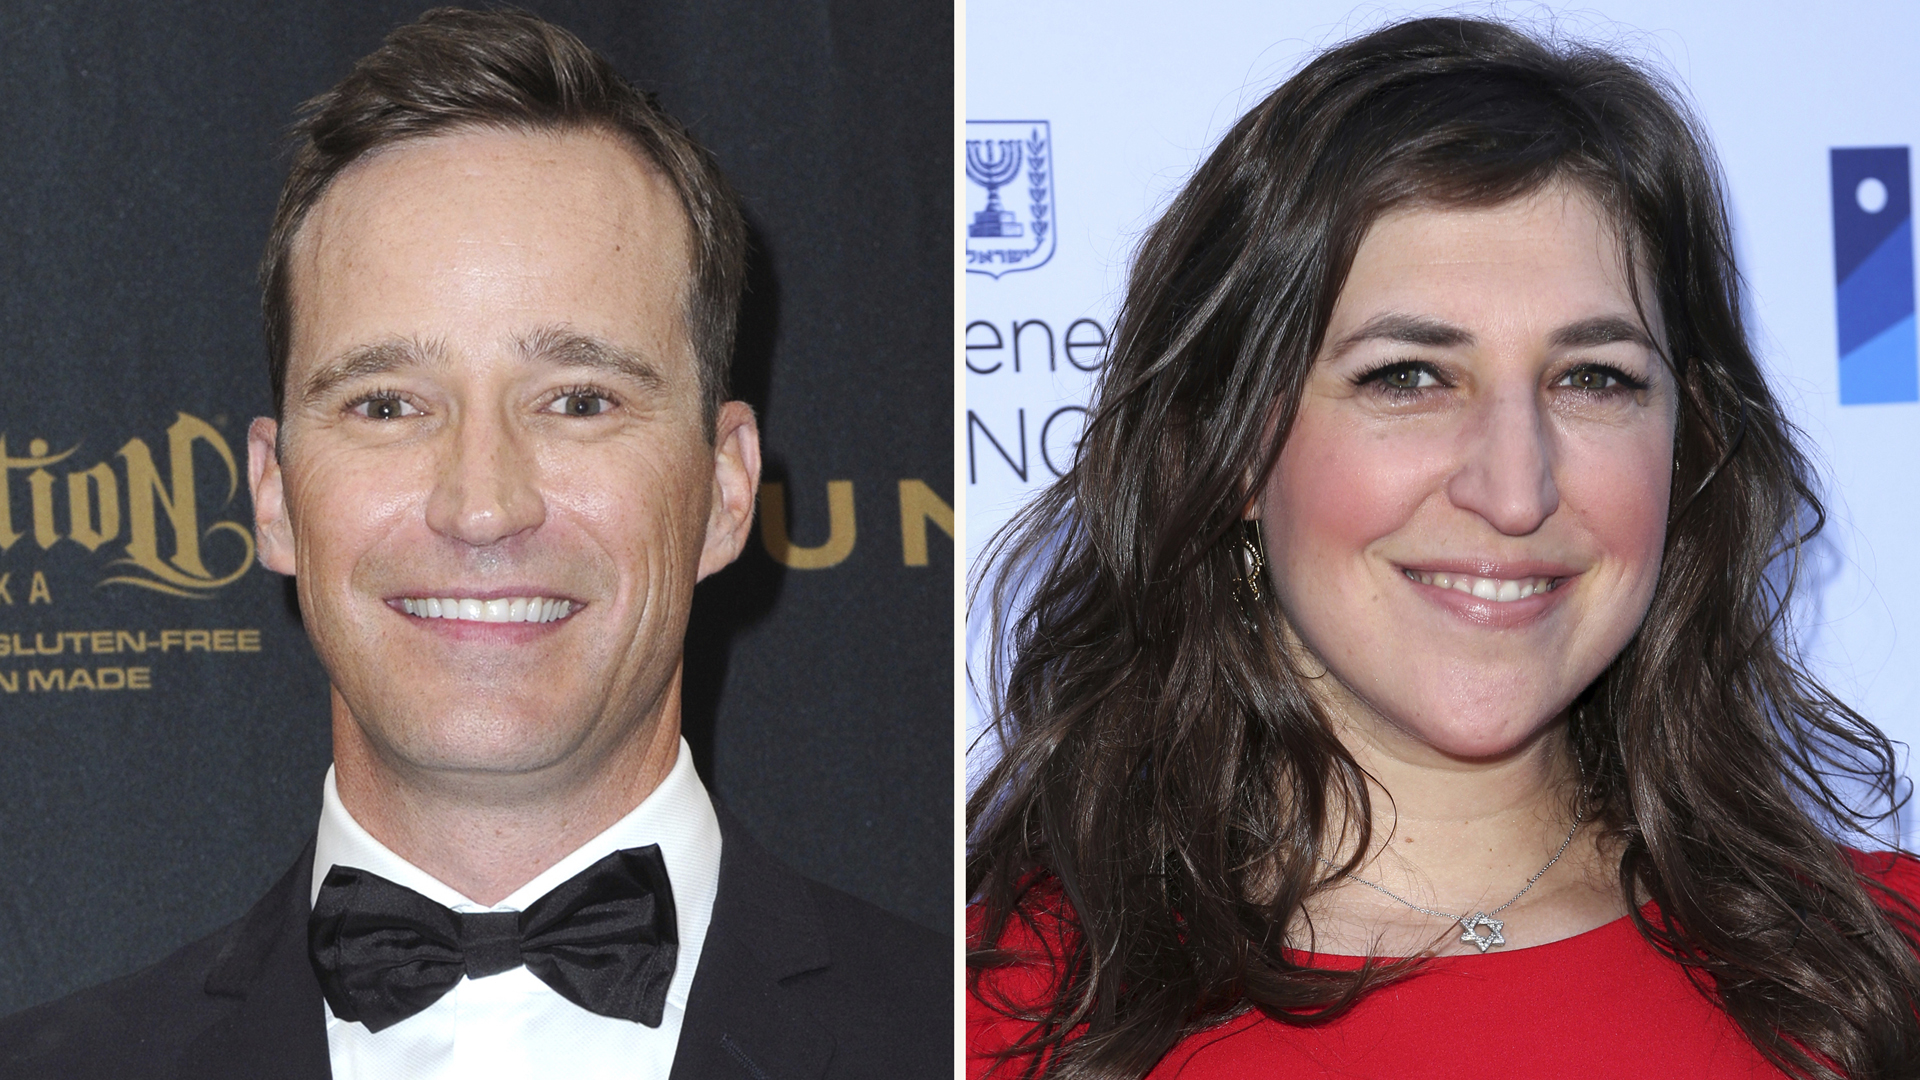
x,y
570,348
368,360
1407,330
1600,330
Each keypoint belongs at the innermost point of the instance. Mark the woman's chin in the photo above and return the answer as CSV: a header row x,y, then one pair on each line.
x,y
1480,739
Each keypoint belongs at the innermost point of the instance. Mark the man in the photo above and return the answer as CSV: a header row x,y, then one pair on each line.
x,y
500,298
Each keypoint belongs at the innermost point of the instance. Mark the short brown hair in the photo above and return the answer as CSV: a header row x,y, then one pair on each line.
x,y
452,69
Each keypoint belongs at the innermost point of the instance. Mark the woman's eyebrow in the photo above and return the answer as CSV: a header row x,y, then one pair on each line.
x,y
1435,333
1407,330
1600,330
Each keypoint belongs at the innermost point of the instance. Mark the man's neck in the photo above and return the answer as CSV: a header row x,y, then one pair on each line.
x,y
486,834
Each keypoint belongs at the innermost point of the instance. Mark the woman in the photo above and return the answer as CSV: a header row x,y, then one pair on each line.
x,y
1398,683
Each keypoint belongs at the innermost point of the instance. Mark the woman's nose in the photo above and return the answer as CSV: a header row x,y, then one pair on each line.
x,y
1505,468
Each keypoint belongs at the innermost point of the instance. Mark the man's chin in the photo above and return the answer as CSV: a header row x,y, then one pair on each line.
x,y
487,736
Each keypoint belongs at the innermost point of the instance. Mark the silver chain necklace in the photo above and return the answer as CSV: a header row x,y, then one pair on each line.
x,y
1472,925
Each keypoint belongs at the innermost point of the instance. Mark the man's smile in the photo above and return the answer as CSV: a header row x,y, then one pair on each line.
x,y
505,609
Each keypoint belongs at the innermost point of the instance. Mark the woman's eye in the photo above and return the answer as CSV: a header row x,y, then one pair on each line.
x,y
1404,377
1595,379
581,404
385,408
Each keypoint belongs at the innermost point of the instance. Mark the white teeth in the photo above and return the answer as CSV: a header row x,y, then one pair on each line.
x,y
1498,590
533,609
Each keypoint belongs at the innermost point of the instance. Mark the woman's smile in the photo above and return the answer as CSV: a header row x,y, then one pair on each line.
x,y
1496,597
1492,589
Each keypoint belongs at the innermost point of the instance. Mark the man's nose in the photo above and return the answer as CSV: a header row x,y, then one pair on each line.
x,y
1505,466
488,488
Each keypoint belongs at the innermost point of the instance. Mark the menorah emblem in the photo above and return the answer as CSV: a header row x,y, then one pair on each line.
x,y
1019,234
993,170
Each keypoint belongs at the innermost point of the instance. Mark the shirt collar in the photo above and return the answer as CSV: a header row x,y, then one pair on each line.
x,y
677,815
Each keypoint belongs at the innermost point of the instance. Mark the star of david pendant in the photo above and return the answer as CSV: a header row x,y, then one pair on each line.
x,y
1470,930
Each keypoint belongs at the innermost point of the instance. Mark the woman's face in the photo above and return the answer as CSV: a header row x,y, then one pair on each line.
x,y
1465,524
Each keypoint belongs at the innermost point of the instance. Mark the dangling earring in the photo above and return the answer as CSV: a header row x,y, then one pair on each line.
x,y
1253,559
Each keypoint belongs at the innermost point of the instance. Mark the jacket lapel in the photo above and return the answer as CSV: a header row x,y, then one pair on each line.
x,y
741,1020
278,1025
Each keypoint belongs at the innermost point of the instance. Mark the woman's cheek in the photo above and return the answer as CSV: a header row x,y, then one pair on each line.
x,y
1337,489
1622,489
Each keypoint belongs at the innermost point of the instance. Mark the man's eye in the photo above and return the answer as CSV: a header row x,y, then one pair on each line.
x,y
580,404
384,407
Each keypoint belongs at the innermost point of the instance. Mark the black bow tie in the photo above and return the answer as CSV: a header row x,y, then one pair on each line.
x,y
604,939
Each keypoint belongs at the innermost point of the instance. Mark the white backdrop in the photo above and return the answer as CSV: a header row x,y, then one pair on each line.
x,y
1120,100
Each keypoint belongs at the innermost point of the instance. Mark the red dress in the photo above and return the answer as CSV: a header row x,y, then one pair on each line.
x,y
1599,1004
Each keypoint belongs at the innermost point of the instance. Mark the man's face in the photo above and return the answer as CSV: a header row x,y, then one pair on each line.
x,y
492,480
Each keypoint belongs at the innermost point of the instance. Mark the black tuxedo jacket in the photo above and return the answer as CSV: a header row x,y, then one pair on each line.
x,y
796,982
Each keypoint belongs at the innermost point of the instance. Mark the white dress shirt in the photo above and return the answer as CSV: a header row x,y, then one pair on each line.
x,y
512,1024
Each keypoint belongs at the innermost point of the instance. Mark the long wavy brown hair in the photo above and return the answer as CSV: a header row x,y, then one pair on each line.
x,y
1164,767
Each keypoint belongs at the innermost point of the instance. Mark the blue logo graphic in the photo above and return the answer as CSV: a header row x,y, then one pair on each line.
x,y
1873,275
1010,222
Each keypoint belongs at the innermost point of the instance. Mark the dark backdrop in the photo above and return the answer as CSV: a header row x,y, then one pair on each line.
x,y
163,729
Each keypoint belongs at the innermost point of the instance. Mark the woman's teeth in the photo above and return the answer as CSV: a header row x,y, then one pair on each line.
x,y
1498,590
534,609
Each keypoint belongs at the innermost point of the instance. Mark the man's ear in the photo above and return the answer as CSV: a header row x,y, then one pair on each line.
x,y
272,532
736,483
